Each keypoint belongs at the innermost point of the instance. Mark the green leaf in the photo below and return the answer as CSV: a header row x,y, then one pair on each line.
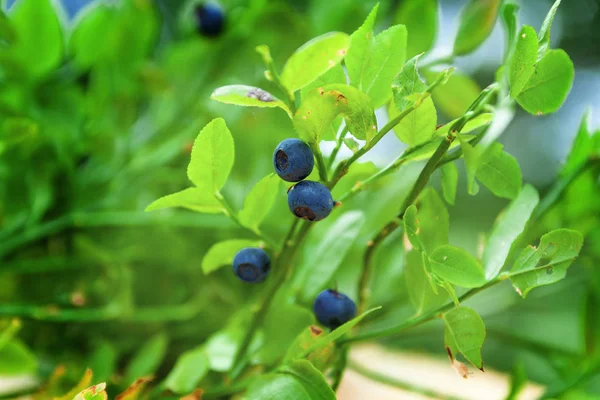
x,y
549,85
259,201
411,226
247,96
7,32
103,360
194,199
465,331
313,119
275,387
500,172
334,75
455,97
418,285
449,182
320,358
507,228
17,359
310,378
188,371
548,263
456,266
222,253
508,14
522,63
33,20
283,323
407,83
583,147
96,392
420,18
327,258
313,59
477,19
518,380
373,61
544,34
477,122
472,157
419,125
135,390
433,219
212,157
147,359
337,333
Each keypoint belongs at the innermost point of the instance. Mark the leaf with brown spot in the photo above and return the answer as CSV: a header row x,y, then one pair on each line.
x,y
195,395
96,392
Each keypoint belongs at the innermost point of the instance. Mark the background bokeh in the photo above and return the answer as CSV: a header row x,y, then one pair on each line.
x,y
90,141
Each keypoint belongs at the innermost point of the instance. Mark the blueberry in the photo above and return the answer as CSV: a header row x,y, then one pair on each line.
x,y
251,265
333,308
210,19
293,160
310,200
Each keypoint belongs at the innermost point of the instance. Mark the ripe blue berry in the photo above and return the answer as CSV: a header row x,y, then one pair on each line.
x,y
210,19
251,265
293,160
310,200
333,308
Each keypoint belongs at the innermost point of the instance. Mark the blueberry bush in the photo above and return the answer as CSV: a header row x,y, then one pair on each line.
x,y
255,269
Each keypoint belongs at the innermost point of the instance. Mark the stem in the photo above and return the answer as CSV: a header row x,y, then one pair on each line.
x,y
362,185
432,164
231,213
284,267
337,370
321,165
338,146
394,382
343,166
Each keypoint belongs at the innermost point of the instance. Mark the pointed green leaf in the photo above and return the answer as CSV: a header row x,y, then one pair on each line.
x,y
507,228
212,157
500,172
549,85
411,226
522,63
406,83
420,18
456,95
548,263
33,20
313,119
276,386
582,148
449,182
222,253
259,201
544,34
477,19
508,14
433,219
465,332
283,323
472,157
313,59
194,199
248,96
373,61
310,378
147,359
328,257
456,266
17,359
419,125
320,358
188,371
337,333
420,292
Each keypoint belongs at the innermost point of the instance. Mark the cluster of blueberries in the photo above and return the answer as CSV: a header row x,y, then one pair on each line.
x,y
294,161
